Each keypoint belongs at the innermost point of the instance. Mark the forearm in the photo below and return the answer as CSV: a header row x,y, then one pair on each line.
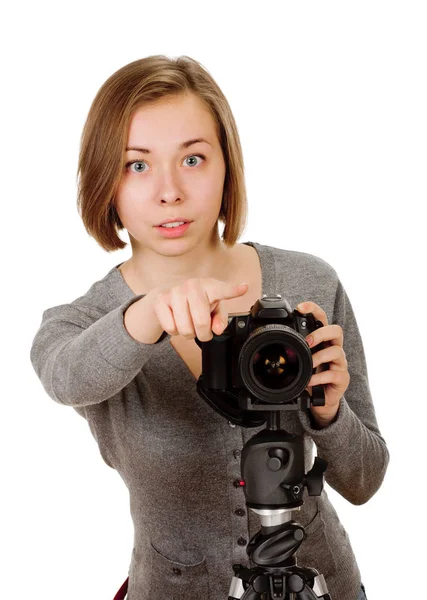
x,y
81,362
357,457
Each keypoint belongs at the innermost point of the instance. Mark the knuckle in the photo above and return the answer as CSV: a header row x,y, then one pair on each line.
x,y
186,331
175,291
171,330
202,323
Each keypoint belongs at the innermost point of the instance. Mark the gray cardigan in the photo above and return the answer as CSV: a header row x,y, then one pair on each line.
x,y
180,459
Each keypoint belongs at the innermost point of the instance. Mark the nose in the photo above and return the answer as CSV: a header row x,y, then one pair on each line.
x,y
170,191
168,199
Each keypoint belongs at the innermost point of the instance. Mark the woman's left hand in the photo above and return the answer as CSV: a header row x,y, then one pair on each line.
x,y
337,377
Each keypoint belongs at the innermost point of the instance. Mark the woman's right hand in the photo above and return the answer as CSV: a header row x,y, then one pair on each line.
x,y
194,307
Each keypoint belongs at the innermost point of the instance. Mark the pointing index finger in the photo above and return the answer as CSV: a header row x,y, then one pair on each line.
x,y
226,291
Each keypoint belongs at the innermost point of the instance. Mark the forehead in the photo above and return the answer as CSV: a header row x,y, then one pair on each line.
x,y
173,120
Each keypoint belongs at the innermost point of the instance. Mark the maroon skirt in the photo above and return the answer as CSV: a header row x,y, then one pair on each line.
x,y
121,594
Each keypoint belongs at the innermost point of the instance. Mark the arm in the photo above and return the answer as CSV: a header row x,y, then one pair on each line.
x,y
82,360
352,444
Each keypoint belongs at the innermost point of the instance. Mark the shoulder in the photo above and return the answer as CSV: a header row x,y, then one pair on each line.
x,y
301,277
302,264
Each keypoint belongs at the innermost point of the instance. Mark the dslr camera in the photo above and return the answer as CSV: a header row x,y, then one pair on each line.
x,y
260,362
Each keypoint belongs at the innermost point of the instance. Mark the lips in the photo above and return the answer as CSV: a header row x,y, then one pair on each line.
x,y
173,232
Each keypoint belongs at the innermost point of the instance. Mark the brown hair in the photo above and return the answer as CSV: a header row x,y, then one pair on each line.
x,y
104,137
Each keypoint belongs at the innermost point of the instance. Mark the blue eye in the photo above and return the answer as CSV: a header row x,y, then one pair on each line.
x,y
135,162
140,162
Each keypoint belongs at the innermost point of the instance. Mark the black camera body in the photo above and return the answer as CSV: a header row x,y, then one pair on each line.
x,y
260,362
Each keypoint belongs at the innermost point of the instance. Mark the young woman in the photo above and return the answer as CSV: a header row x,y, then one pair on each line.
x,y
160,145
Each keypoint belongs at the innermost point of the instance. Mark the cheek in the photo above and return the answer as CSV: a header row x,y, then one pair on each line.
x,y
209,190
129,207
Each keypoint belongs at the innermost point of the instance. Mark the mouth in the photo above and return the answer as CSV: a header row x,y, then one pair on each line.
x,y
172,232
169,223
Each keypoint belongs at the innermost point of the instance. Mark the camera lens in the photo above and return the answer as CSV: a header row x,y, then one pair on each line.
x,y
275,363
276,366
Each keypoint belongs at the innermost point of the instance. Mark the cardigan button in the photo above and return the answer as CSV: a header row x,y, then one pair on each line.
x,y
233,425
176,571
236,453
241,541
240,512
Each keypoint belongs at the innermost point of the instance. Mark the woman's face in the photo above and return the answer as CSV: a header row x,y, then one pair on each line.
x,y
169,181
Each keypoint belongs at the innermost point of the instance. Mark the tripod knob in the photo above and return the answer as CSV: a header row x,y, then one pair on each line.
x,y
315,477
278,458
318,395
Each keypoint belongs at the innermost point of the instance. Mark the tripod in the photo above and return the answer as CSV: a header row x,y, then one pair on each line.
x,y
272,467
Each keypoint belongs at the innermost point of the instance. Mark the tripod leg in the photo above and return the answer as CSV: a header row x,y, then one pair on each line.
x,y
236,589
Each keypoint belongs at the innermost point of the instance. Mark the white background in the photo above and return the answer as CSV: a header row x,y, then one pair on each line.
x,y
330,101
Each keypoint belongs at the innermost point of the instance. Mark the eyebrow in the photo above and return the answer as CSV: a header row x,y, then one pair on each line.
x,y
186,144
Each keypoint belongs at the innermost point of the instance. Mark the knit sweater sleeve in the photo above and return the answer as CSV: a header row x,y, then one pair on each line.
x,y
83,360
352,444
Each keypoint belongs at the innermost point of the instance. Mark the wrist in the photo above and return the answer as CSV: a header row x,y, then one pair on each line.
x,y
323,421
141,323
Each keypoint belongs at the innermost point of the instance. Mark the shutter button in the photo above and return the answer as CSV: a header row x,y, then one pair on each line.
x,y
241,541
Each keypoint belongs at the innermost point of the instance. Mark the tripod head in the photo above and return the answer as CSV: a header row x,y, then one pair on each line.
x,y
272,465
273,480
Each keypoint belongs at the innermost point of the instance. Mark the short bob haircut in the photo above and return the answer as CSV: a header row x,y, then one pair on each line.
x,y
105,132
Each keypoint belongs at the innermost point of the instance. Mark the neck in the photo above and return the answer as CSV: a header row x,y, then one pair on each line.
x,y
149,268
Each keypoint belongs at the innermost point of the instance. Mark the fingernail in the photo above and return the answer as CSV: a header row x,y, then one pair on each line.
x,y
301,306
309,340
